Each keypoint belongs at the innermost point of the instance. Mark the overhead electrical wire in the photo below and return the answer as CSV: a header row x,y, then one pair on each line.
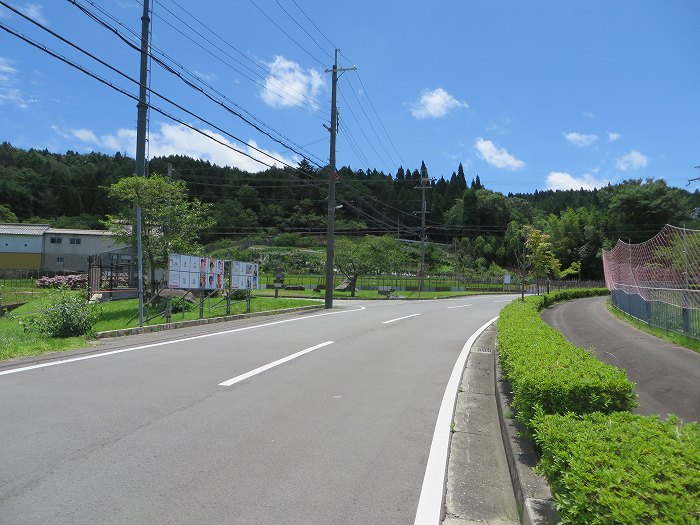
x,y
323,50
312,105
286,34
123,91
353,144
352,113
371,125
199,89
313,24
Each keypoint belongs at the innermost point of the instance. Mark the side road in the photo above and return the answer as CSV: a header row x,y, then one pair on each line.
x,y
666,375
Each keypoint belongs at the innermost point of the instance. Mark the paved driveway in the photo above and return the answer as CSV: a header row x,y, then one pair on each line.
x,y
667,376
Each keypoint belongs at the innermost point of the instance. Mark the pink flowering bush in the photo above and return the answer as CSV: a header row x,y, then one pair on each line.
x,y
72,282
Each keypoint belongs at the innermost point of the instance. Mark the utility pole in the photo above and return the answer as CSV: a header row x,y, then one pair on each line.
x,y
142,107
423,186
330,233
696,178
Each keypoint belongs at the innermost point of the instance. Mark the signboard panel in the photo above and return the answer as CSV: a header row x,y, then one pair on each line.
x,y
244,276
193,272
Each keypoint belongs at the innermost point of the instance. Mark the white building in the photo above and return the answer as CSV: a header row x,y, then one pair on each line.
x,y
48,250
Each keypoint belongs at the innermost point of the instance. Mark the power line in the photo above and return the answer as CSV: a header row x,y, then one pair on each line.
x,y
381,143
379,119
286,34
154,108
361,128
197,88
311,103
304,30
312,23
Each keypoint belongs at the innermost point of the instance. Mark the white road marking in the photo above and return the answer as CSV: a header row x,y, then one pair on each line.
x,y
399,318
163,343
460,306
261,369
431,494
506,301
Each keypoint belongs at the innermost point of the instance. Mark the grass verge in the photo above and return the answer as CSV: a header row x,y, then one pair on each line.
x,y
370,294
673,337
15,342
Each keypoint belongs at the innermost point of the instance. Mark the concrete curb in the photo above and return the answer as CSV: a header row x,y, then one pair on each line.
x,y
199,322
532,493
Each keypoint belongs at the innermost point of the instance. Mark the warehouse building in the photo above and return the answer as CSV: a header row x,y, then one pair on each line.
x,y
40,248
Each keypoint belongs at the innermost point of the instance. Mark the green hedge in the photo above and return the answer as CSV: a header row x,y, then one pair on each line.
x,y
567,295
546,370
620,468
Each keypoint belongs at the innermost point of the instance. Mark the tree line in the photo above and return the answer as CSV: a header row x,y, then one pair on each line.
x,y
480,226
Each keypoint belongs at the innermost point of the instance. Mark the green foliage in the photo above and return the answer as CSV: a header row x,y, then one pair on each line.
x,y
620,468
67,315
367,256
538,249
72,190
6,214
239,295
171,222
639,208
547,371
548,299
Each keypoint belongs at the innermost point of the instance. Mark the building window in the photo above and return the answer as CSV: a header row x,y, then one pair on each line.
x,y
59,259
75,240
56,240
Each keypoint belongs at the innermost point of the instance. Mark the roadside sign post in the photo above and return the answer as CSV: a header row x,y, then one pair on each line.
x,y
279,281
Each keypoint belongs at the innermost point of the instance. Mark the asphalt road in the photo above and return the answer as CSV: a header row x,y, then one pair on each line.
x,y
148,430
667,376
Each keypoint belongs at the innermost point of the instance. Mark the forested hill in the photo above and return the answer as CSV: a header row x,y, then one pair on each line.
x,y
68,190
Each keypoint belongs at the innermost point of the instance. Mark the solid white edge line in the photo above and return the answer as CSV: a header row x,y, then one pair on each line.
x,y
399,318
261,369
433,490
163,343
460,306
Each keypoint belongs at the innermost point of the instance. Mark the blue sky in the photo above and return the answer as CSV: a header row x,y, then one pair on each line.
x,y
526,94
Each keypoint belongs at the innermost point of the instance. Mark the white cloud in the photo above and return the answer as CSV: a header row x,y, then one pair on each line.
x,y
6,69
209,77
560,180
86,135
9,92
580,139
176,139
588,114
289,85
612,136
435,104
633,160
34,11
498,157
499,128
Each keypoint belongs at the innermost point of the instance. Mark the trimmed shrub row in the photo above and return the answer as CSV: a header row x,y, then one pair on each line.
x,y
621,468
604,465
545,370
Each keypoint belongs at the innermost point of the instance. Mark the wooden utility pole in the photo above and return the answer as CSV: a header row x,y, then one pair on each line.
x,y
142,107
330,231
424,180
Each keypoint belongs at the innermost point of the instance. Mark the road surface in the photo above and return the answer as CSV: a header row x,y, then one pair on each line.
x,y
320,418
667,376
